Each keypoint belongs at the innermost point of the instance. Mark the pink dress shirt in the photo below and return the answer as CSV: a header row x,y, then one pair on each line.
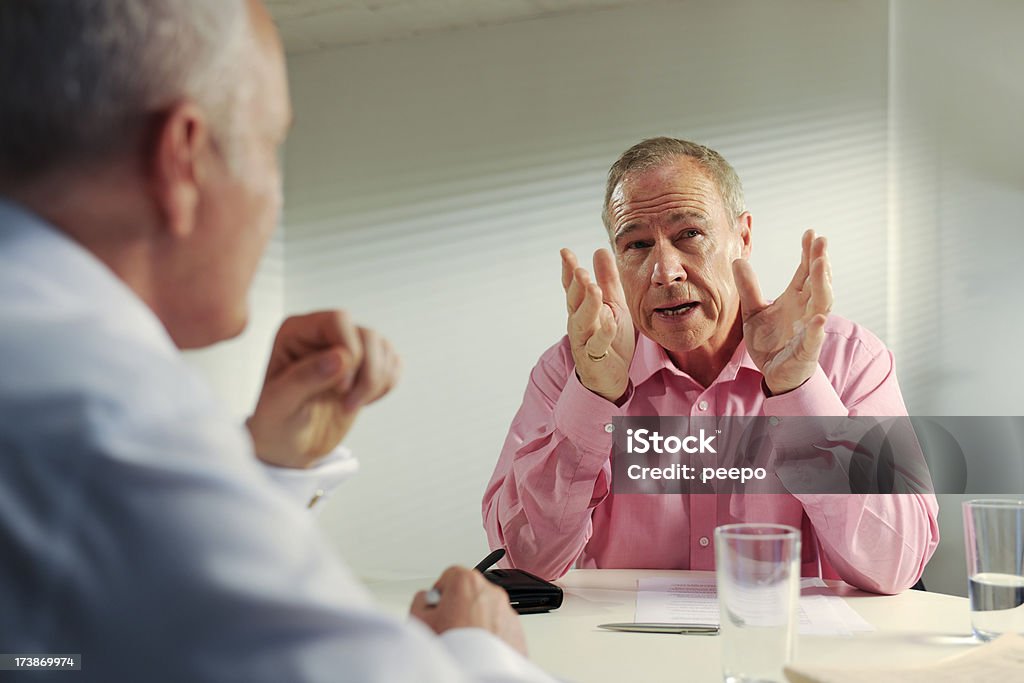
x,y
549,502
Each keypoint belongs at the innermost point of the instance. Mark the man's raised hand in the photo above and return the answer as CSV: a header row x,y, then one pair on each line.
x,y
322,370
600,328
784,338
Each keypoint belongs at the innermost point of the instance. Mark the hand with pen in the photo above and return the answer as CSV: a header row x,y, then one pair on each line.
x,y
463,598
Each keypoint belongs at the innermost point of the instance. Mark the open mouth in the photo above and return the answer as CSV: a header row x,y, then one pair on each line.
x,y
676,311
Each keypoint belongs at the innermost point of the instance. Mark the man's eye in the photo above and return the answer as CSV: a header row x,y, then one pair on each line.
x,y
691,233
638,244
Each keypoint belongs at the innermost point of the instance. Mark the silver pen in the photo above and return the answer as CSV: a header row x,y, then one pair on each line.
x,y
433,596
683,629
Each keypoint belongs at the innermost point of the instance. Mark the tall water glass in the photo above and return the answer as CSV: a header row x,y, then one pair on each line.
x,y
994,537
758,574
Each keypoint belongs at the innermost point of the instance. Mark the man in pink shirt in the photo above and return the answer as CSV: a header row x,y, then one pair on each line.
x,y
673,323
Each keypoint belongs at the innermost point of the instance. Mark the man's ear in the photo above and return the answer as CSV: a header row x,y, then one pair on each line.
x,y
744,225
180,142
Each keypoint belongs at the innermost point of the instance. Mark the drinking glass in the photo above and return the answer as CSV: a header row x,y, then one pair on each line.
x,y
994,538
758,575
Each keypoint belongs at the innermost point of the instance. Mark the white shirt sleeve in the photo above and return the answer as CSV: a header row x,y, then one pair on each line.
x,y
488,658
312,486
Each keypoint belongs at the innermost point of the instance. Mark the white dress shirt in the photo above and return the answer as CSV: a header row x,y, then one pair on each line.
x,y
137,527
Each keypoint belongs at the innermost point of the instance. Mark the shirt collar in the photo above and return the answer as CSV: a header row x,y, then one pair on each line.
x,y
650,358
40,258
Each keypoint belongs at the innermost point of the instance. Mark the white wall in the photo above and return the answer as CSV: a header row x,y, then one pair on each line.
x,y
957,116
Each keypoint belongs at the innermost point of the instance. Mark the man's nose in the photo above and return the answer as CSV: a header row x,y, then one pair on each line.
x,y
668,267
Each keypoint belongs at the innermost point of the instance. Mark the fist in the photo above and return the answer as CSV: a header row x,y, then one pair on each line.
x,y
470,600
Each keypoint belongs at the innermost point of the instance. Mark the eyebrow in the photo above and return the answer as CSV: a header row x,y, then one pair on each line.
x,y
625,230
675,217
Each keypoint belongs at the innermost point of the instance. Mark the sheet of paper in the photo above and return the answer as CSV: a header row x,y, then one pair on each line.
x,y
677,601
695,601
1000,660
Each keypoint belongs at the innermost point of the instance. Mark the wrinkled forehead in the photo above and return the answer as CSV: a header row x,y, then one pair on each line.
x,y
678,186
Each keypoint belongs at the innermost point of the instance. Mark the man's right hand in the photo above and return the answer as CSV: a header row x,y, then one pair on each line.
x,y
600,327
468,600
322,370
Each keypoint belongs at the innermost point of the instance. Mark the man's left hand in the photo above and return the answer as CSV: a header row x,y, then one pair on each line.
x,y
784,337
322,370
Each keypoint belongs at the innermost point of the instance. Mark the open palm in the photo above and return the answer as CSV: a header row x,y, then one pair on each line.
x,y
600,328
784,337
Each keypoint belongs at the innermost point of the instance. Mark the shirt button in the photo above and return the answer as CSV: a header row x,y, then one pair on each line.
x,y
773,420
609,428
704,541
703,405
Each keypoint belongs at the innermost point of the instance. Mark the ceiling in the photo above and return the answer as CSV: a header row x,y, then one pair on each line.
x,y
308,25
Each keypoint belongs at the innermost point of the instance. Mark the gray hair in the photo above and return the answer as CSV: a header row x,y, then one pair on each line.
x,y
655,152
79,78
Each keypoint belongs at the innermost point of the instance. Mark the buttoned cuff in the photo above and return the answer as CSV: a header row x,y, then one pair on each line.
x,y
484,656
311,486
585,418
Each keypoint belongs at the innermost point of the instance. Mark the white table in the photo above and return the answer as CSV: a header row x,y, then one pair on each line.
x,y
913,628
